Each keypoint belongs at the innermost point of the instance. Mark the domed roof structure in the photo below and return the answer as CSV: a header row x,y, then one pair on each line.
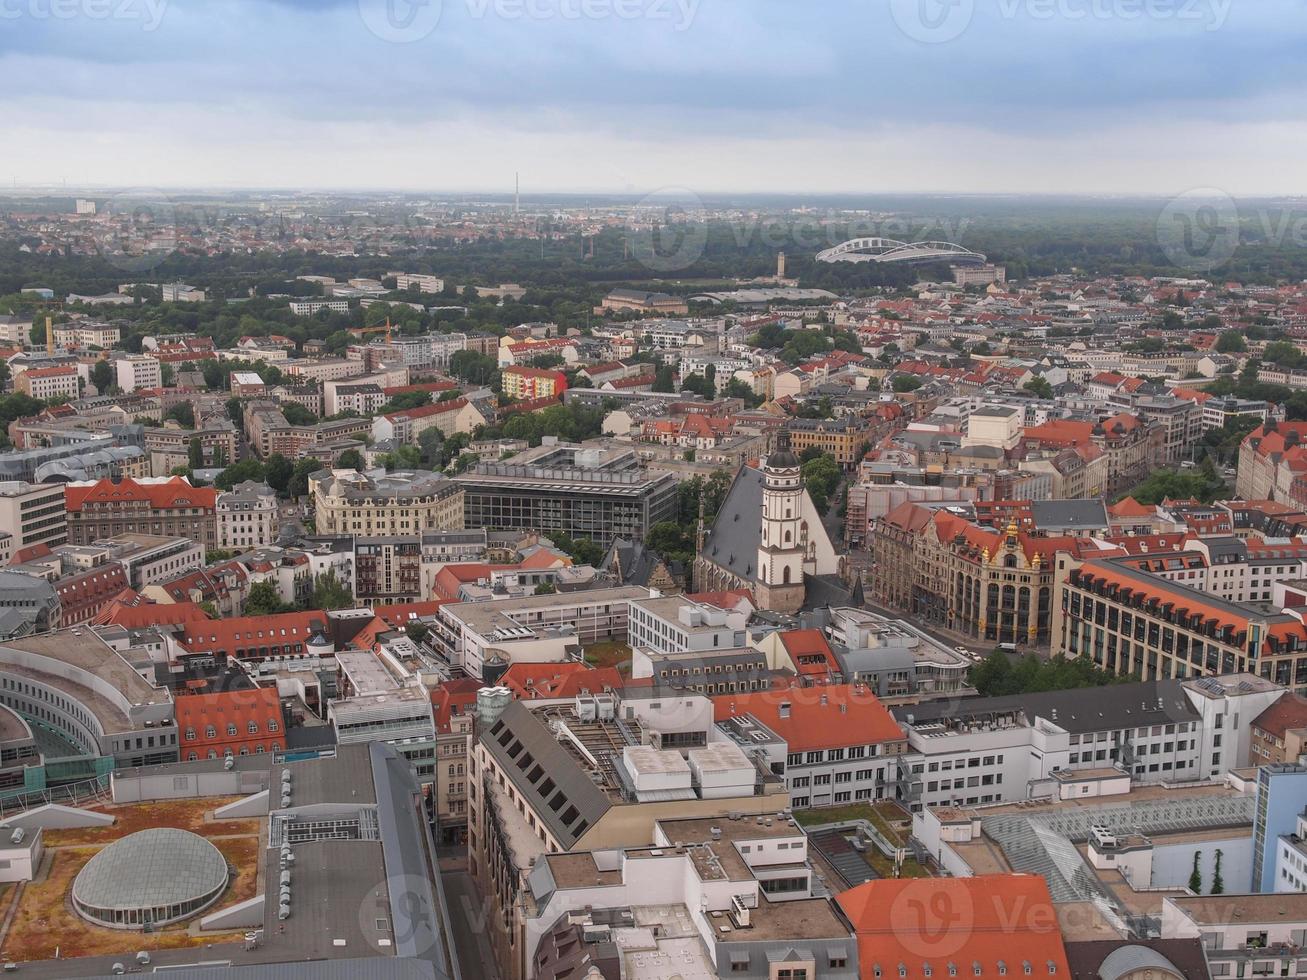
x,y
150,878
783,460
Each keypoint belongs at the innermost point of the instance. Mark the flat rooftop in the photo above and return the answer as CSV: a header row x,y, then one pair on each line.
x,y
485,617
1247,909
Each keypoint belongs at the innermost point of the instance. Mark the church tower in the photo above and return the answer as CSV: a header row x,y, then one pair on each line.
x,y
784,534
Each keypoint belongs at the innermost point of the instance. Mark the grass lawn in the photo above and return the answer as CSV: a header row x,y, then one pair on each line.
x,y
609,654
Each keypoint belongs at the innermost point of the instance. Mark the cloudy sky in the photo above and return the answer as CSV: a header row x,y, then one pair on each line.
x,y
1048,96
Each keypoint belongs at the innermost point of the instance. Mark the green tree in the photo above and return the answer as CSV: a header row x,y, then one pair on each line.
x,y
545,588
102,376
1039,387
184,413
664,379
330,593
299,480
297,414
1198,484
246,469
236,411
671,541
417,632
1196,876
1231,342
277,470
350,459
265,600
821,476
1218,882
906,382
195,454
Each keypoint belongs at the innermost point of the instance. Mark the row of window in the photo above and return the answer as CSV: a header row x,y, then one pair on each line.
x,y
252,729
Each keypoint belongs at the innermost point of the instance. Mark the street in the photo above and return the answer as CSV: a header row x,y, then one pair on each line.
x,y
467,914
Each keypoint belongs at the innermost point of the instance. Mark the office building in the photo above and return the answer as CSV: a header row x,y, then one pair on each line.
x,y
33,514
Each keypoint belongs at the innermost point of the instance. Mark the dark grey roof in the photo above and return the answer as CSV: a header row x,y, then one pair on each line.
x,y
520,724
1058,514
733,541
418,912
342,779
1079,710
635,562
1110,959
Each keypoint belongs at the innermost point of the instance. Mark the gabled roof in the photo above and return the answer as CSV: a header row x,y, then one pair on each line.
x,y
1287,714
812,718
909,926
174,493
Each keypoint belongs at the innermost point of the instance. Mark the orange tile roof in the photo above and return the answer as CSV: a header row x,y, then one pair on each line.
x,y
129,610
173,494
828,717
401,614
558,680
810,652
909,926
245,632
197,712
456,697
1287,714
1129,507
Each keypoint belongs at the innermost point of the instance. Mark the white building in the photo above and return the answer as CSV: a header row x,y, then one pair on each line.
x,y
138,371
247,516
308,307
422,283
33,513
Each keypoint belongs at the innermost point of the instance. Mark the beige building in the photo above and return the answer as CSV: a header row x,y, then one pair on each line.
x,y
50,382
86,335
247,517
324,369
33,513
537,786
139,371
399,504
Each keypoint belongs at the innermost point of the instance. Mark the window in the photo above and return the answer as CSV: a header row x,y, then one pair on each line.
x,y
210,732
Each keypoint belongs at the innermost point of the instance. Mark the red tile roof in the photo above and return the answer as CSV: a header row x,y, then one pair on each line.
x,y
558,680
401,614
812,718
810,652
456,697
198,713
914,927
252,632
426,411
1287,714
175,493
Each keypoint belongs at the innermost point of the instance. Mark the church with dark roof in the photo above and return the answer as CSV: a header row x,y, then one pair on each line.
x,y
767,537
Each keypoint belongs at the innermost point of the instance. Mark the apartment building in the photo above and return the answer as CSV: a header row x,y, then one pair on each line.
x,y
843,438
230,723
388,569
452,705
394,504
1242,935
716,898
1279,734
33,513
678,624
450,417
989,584
530,384
419,281
138,371
86,333
311,307
484,638
593,773
246,517
169,448
49,382
169,507
839,744
1130,621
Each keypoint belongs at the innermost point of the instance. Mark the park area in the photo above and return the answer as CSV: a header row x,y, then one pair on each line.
x,y
38,916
